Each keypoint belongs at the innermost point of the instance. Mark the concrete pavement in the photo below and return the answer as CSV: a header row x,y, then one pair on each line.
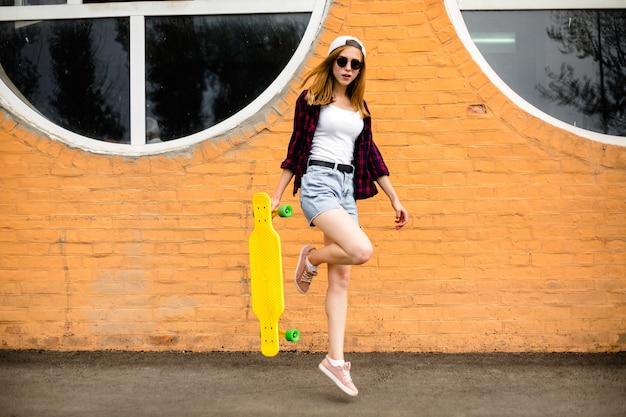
x,y
49,384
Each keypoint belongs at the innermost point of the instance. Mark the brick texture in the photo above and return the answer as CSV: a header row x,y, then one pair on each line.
x,y
517,240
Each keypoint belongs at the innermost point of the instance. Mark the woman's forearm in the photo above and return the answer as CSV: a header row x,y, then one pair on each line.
x,y
283,182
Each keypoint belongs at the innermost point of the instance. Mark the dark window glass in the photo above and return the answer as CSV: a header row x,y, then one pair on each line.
x,y
200,70
74,72
30,2
570,64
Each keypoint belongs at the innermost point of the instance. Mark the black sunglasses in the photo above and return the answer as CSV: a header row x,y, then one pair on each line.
x,y
342,61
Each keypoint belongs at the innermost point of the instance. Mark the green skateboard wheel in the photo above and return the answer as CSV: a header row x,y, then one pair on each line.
x,y
292,335
285,211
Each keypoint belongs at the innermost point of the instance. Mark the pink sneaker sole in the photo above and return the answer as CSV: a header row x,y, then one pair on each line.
x,y
340,376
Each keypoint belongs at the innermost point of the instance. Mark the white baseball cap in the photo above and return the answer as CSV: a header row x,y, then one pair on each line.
x,y
347,40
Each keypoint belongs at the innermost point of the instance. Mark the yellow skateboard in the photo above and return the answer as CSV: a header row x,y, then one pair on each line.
x,y
266,274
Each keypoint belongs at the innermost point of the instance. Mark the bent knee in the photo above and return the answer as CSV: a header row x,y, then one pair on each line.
x,y
362,254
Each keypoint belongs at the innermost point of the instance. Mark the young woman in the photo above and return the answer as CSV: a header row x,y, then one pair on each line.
x,y
334,161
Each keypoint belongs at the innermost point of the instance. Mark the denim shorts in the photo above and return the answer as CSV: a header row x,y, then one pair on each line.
x,y
325,189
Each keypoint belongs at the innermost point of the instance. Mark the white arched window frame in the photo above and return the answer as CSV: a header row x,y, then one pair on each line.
x,y
137,12
454,9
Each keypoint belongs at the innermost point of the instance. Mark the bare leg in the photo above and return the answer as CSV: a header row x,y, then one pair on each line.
x,y
337,308
346,243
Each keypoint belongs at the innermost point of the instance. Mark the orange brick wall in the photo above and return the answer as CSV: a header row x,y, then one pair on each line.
x,y
517,240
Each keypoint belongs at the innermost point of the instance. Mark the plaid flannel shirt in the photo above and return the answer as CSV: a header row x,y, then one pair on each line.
x,y
368,161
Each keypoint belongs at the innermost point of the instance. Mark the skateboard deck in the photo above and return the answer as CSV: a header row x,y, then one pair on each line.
x,y
266,274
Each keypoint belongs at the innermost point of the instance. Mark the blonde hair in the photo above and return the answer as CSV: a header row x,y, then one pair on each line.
x,y
321,89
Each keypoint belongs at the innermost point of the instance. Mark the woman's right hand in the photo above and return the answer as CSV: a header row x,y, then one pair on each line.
x,y
285,178
275,203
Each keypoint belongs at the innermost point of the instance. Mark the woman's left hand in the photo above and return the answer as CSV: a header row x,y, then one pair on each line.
x,y
402,216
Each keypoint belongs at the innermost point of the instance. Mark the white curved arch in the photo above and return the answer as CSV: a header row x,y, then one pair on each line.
x,y
454,7
137,12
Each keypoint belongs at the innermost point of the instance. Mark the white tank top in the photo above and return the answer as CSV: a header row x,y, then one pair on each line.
x,y
335,135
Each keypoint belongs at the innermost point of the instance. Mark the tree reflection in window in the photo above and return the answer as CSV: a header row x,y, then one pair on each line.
x,y
74,72
569,64
201,70
79,97
599,36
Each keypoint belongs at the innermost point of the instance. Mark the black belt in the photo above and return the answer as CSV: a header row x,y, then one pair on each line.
x,y
348,169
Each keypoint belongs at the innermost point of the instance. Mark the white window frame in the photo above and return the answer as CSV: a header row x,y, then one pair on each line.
x,y
454,8
137,12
